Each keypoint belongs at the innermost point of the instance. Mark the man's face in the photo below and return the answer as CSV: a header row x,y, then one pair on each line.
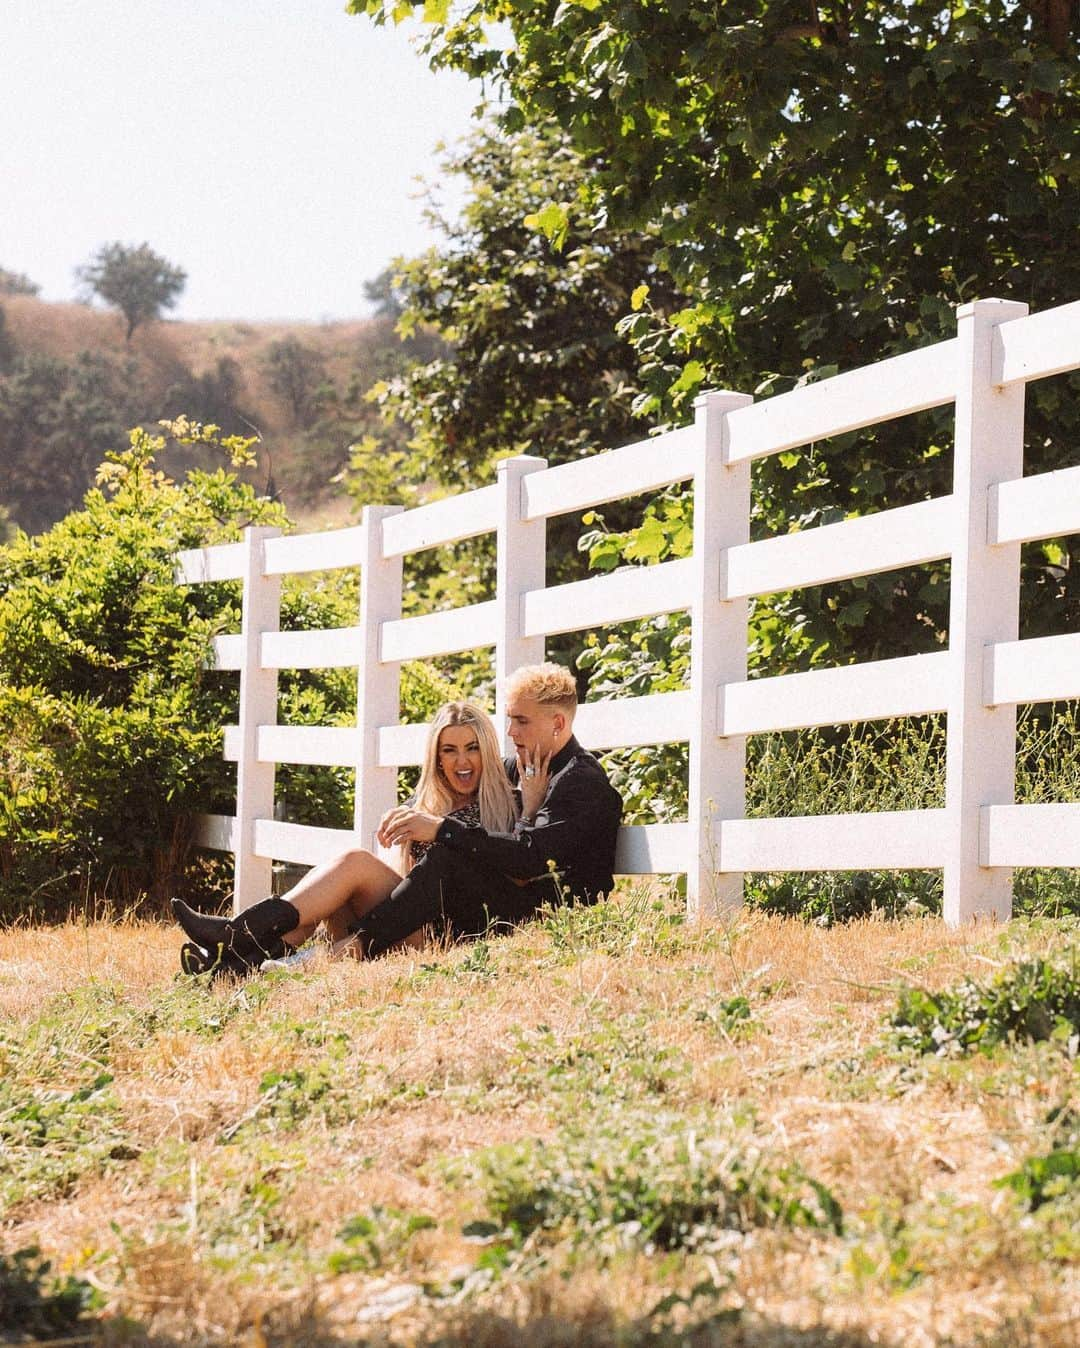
x,y
532,725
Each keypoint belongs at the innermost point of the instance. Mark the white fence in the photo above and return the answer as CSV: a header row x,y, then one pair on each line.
x,y
979,835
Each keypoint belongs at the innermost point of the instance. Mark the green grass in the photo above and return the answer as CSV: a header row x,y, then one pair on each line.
x,y
613,1128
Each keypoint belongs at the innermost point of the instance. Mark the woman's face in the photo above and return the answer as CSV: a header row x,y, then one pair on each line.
x,y
458,757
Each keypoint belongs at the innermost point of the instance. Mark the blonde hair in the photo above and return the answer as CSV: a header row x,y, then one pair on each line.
x,y
498,809
549,684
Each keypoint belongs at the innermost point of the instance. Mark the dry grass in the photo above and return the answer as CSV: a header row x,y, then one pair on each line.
x,y
217,1207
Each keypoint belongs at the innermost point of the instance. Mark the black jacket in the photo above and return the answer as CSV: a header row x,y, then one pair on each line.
x,y
573,833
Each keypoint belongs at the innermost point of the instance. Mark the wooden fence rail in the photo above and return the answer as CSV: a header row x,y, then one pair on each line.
x,y
980,834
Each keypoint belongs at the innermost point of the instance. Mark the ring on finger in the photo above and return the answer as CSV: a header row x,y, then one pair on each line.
x,y
530,771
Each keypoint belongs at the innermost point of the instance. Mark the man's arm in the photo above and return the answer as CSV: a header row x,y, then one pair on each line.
x,y
573,820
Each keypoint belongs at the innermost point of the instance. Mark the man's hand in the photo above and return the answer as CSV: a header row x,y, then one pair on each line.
x,y
533,776
404,824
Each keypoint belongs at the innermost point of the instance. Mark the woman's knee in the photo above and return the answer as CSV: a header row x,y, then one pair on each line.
x,y
356,860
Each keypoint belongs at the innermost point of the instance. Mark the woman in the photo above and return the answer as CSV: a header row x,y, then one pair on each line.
x,y
462,776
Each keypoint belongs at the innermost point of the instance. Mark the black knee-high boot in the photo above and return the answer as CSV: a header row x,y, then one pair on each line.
x,y
245,940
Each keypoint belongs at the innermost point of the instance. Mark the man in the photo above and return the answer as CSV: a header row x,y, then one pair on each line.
x,y
562,847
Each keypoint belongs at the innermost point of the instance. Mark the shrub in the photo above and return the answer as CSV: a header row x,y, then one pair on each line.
x,y
109,719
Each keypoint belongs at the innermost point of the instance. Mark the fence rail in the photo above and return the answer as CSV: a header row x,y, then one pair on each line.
x,y
980,834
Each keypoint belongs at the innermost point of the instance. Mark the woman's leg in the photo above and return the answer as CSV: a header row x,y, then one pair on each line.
x,y
339,891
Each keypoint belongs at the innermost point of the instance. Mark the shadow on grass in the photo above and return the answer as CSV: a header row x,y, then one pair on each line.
x,y
488,1329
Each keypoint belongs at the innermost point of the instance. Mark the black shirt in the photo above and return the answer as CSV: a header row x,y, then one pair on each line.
x,y
574,831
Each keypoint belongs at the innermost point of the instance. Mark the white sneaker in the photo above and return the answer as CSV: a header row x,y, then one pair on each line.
x,y
293,962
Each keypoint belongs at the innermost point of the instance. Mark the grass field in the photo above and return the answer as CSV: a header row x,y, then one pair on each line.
x,y
611,1128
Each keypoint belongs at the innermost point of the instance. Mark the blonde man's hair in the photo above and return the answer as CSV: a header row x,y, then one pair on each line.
x,y
549,684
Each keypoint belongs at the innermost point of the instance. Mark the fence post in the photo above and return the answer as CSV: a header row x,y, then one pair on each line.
x,y
378,685
521,559
717,656
983,609
261,612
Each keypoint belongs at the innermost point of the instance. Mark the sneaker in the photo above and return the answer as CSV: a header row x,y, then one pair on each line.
x,y
295,961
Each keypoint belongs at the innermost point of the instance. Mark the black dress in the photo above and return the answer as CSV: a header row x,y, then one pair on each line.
x,y
468,814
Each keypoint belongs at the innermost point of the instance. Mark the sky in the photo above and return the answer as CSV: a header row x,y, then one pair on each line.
x,y
270,148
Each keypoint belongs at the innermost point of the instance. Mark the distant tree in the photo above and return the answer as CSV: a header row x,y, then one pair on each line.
x,y
57,420
15,283
137,281
7,344
295,372
385,294
213,396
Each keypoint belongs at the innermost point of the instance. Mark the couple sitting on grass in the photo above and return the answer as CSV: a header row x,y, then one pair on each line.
x,y
483,843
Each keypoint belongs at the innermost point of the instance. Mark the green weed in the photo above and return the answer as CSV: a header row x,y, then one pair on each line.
x,y
375,1239
636,922
1048,1186
1045,1179
729,1018
616,1062
647,1182
49,1139
291,1095
1032,1000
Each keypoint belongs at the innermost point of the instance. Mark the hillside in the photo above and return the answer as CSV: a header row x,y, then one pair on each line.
x,y
219,371
609,1129
169,345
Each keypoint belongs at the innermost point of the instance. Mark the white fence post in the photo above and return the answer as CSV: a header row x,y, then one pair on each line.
x,y
261,612
520,567
378,685
984,608
717,656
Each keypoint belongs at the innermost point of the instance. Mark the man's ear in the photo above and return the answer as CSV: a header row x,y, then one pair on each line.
x,y
558,723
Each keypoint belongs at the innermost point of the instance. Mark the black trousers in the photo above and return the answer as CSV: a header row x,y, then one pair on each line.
x,y
460,899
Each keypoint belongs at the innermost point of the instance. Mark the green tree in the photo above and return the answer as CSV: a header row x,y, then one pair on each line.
x,y
107,716
532,362
135,280
814,173
529,362
825,185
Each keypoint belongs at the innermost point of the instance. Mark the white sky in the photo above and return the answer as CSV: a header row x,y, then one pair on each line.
x,y
268,147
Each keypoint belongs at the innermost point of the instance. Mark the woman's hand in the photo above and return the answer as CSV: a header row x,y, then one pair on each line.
x,y
404,824
534,768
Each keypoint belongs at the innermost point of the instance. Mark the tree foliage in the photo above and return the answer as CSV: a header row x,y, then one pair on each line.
x,y
811,171
821,187
532,363
107,716
135,280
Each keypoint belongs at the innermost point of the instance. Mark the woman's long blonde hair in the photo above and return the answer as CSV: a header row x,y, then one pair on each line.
x,y
498,809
